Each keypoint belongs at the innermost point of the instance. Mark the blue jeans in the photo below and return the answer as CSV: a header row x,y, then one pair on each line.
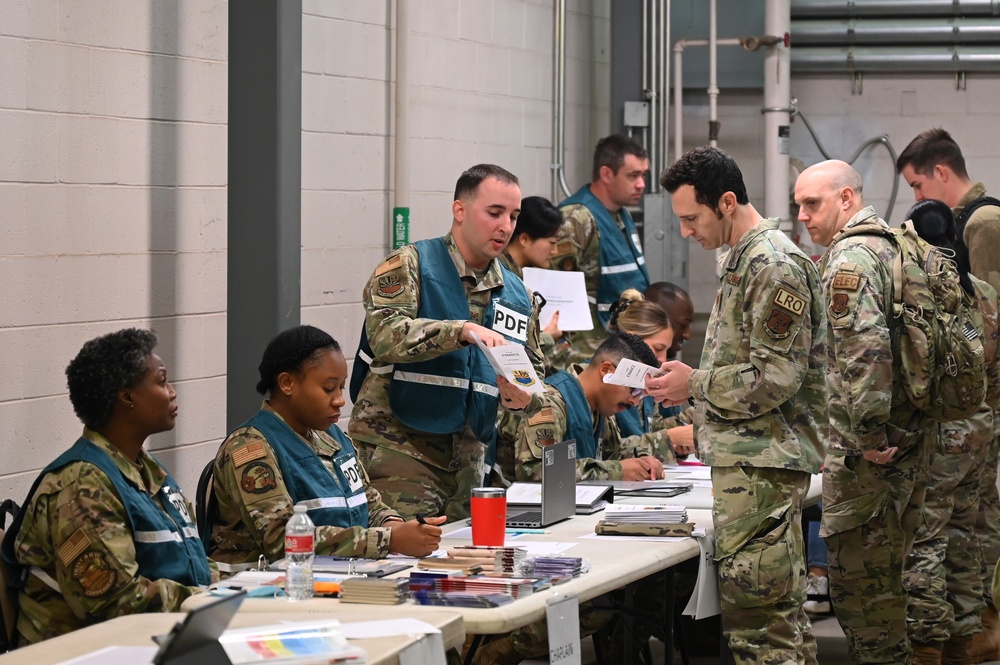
x,y
815,546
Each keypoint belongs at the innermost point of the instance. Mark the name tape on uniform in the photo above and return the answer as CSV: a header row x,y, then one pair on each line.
x,y
789,301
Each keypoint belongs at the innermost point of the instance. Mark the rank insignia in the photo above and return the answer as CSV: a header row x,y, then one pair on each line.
x,y
258,478
777,325
522,378
95,575
389,286
733,278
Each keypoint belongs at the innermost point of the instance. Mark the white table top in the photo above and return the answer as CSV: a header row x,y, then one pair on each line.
x,y
137,629
613,564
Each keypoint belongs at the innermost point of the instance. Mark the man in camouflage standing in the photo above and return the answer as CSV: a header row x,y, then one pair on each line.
x,y
425,412
871,494
760,400
933,165
599,239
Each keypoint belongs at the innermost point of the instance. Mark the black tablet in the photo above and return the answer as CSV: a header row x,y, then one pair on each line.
x,y
196,639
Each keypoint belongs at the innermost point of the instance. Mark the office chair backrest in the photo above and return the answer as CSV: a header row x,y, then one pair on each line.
x,y
206,507
8,599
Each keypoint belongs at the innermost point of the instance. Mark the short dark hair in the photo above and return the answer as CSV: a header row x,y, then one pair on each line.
x,y
105,365
934,222
468,183
712,173
611,150
624,345
930,148
538,218
289,351
660,292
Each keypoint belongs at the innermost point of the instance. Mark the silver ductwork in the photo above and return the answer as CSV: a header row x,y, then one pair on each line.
x,y
899,59
807,9
882,31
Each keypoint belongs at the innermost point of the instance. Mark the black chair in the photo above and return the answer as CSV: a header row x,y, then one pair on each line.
x,y
8,598
206,507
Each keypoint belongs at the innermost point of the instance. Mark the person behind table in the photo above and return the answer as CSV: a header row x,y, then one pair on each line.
x,y
105,530
292,452
599,238
943,582
632,313
532,244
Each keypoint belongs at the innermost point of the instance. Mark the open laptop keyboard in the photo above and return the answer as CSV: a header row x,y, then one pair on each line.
x,y
527,518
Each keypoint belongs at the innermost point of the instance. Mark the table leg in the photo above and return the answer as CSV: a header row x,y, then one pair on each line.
x,y
628,617
476,641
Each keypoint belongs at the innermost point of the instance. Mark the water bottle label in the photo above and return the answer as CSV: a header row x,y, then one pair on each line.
x,y
298,544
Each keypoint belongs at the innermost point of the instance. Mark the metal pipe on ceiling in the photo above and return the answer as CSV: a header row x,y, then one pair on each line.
x,y
895,59
917,32
802,9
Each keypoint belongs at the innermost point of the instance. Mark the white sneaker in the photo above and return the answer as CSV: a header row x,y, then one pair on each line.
x,y
818,595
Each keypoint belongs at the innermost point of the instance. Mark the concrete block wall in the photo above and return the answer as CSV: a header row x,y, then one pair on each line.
x,y
112,191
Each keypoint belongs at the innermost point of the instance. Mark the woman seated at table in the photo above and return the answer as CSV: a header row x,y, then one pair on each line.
x,y
292,452
105,530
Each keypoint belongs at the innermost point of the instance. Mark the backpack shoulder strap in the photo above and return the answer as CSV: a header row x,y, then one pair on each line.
x,y
963,217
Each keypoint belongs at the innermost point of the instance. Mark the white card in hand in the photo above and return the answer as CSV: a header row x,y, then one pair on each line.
x,y
632,374
512,362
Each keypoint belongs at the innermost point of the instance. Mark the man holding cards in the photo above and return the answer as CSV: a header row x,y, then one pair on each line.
x,y
760,405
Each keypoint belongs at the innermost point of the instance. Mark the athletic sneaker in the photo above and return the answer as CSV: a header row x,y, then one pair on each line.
x,y
818,598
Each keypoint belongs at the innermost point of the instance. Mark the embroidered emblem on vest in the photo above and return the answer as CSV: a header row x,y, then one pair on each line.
x,y
258,478
92,571
389,286
777,325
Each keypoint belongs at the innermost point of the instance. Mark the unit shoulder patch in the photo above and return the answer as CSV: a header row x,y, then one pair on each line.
x,y
92,570
389,286
258,478
790,301
778,324
840,305
847,281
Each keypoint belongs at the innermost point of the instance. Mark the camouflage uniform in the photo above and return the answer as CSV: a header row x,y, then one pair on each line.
x,y
252,516
549,425
943,577
420,472
76,517
870,511
579,248
656,441
759,400
982,236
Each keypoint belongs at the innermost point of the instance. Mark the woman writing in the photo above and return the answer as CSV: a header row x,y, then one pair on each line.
x,y
105,530
292,452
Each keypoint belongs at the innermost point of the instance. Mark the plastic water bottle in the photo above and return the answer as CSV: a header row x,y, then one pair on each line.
x,y
300,534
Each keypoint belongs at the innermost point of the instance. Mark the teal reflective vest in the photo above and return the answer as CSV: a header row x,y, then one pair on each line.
x,y
332,500
444,394
579,425
166,540
622,264
633,423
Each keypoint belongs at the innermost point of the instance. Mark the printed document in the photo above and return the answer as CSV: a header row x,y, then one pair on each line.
x,y
564,292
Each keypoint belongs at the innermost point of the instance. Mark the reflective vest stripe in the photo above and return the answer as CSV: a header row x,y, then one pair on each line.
x,y
45,578
189,531
235,567
432,380
334,502
162,536
369,360
614,270
485,388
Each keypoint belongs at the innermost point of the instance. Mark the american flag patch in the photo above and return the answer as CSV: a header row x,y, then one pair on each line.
x,y
969,331
73,547
249,453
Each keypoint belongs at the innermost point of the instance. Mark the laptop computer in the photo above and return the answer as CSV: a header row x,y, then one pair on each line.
x,y
558,490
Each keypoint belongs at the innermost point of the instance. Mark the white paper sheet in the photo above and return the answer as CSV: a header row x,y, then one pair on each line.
x,y
371,630
428,650
705,599
687,473
115,656
632,374
512,362
643,539
565,292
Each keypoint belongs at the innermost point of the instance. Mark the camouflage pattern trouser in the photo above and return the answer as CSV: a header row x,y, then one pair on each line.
x,y
412,487
870,517
988,519
762,570
943,578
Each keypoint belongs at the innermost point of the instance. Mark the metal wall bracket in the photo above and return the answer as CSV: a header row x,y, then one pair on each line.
x,y
959,80
857,83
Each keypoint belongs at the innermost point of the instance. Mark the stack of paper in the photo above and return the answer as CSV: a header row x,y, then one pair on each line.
x,y
557,567
462,598
516,588
307,642
662,514
385,591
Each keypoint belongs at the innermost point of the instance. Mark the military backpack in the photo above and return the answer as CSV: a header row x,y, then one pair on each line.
x,y
939,326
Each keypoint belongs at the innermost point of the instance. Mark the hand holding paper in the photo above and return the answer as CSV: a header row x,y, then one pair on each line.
x,y
632,374
511,362
672,386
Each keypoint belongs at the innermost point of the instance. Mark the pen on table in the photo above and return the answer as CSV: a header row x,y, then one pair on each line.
x,y
528,531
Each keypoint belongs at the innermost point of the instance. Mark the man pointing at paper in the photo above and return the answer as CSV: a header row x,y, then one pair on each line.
x,y
760,399
425,399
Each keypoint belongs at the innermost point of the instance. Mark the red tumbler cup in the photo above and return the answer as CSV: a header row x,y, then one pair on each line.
x,y
489,515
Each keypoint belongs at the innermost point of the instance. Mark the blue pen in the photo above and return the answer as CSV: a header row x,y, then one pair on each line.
x,y
527,531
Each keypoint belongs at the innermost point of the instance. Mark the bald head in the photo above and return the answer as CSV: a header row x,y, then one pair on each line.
x,y
828,195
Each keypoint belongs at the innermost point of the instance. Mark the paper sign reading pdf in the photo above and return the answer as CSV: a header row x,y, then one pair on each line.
x,y
565,292
513,363
632,374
